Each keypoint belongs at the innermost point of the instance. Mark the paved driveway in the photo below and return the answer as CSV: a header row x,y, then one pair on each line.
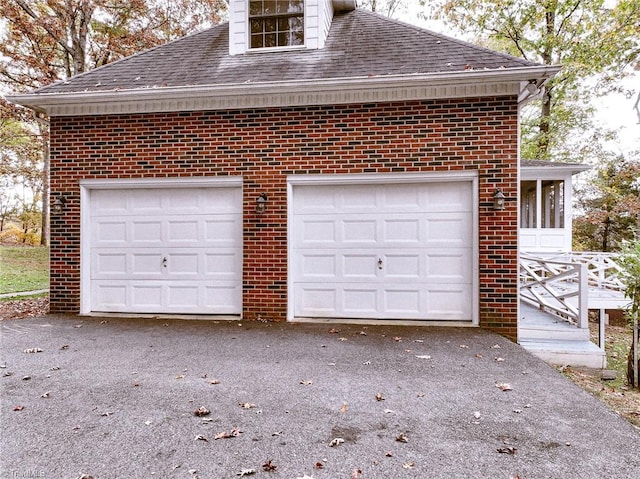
x,y
116,399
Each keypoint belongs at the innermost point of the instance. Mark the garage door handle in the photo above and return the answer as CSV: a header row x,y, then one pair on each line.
x,y
164,262
379,263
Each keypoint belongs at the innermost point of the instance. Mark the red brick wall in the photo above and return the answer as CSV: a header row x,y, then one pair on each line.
x,y
266,145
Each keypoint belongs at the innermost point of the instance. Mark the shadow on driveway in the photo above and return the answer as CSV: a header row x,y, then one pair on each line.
x,y
115,398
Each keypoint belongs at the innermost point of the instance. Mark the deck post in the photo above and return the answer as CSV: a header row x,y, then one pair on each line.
x,y
583,296
601,325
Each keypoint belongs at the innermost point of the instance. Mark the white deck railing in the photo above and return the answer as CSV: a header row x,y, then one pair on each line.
x,y
558,287
602,270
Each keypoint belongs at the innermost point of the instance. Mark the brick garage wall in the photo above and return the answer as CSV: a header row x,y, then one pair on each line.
x,y
266,145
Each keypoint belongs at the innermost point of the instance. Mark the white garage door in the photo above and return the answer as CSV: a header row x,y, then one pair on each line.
x,y
173,250
402,251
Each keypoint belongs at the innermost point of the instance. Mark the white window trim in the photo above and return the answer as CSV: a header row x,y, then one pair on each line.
x,y
248,48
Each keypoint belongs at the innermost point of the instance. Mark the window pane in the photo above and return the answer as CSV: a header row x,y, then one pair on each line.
x,y
270,40
528,204
553,204
269,7
298,38
256,26
270,25
256,41
255,7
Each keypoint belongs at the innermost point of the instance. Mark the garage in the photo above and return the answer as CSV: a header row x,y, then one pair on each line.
x,y
162,248
394,249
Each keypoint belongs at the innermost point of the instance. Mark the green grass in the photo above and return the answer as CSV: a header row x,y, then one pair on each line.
x,y
23,268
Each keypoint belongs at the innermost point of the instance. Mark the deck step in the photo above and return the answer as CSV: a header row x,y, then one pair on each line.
x,y
559,331
561,353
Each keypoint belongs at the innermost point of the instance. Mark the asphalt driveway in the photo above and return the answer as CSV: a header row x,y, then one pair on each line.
x,y
117,398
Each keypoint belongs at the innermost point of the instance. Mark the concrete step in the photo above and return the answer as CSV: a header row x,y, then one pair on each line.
x,y
557,330
561,353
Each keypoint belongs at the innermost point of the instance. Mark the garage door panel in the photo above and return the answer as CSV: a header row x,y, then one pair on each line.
x,y
405,266
358,302
449,302
401,230
144,232
362,231
315,300
453,265
449,196
358,266
223,230
453,229
109,232
408,302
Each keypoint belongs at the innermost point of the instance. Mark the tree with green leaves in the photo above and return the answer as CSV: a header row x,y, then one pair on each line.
x,y
597,42
609,207
629,261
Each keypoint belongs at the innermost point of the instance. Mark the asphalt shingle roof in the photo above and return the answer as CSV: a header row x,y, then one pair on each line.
x,y
360,44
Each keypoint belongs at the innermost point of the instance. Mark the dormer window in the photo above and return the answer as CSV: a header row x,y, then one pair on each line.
x,y
276,23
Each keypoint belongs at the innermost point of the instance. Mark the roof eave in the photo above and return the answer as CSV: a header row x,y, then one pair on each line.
x,y
507,81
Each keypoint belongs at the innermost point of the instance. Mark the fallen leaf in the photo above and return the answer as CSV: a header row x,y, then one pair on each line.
x,y
420,395
32,350
180,376
343,339
201,411
479,356
269,466
418,340
305,477
207,419
504,386
498,359
397,339
356,473
409,465
507,450
423,356
389,454
246,472
389,411
147,423
402,438
246,405
200,437
464,346
367,363
334,331
277,433
319,465
46,395
66,346
106,414
477,414
7,374
336,442
343,409
379,397
18,408
517,411
225,435
306,382
495,346
26,378
214,381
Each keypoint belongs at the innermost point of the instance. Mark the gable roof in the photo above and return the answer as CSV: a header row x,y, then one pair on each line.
x,y
362,48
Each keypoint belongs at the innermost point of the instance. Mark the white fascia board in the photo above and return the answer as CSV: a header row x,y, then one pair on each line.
x,y
472,83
